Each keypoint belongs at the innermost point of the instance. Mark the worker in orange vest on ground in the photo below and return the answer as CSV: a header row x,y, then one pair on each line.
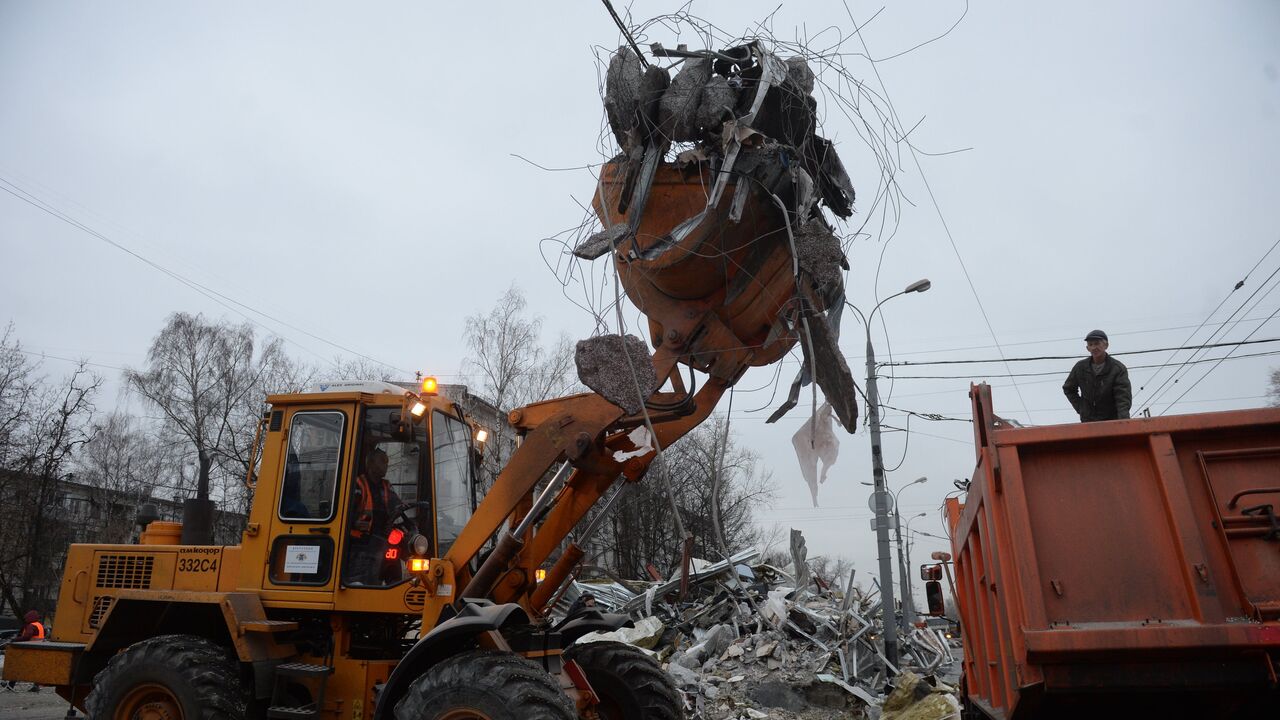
x,y
33,629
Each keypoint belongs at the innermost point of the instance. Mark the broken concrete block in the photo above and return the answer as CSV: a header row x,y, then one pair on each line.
x,y
653,86
718,100
678,114
599,243
622,98
799,556
734,651
717,639
775,694
603,367
766,649
800,75
682,675
819,254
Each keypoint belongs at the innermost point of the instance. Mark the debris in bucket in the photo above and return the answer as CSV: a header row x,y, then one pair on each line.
x,y
748,641
619,368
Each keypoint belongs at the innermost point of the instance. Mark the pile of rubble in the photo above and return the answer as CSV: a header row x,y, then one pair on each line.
x,y
748,641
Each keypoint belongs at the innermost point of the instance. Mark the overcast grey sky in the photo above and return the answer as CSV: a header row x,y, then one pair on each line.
x,y
350,171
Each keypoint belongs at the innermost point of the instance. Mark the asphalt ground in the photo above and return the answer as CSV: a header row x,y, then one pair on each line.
x,y
25,705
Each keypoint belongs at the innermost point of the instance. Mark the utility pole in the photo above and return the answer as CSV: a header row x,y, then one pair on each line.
x,y
881,499
904,580
908,602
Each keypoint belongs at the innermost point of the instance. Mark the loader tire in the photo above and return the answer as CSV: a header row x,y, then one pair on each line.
x,y
183,677
631,685
485,685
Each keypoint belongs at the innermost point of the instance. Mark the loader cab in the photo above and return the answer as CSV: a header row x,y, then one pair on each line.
x,y
352,486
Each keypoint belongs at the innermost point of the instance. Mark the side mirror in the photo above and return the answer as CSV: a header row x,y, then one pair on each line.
x,y
930,572
933,595
401,429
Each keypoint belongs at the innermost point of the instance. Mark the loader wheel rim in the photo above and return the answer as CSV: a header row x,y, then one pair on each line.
x,y
149,701
464,714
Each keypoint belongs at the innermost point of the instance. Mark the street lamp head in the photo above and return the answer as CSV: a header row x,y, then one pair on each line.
x,y
923,514
919,286
917,481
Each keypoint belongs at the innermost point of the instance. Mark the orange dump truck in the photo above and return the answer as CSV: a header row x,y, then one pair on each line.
x,y
1121,569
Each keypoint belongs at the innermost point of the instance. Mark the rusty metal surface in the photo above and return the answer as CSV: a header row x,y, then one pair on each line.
x,y
1109,556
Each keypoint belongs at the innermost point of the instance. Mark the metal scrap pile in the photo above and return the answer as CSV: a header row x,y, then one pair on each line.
x,y
746,642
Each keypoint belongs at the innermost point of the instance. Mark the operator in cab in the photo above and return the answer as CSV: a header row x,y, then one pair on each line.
x,y
1098,386
372,504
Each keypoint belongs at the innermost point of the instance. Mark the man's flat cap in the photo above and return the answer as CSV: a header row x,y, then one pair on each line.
x,y
1096,335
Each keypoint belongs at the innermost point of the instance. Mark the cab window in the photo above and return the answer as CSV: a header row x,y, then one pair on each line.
x,y
389,502
451,449
311,466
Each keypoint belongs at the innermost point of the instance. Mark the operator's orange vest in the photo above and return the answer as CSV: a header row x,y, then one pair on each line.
x,y
362,525
39,630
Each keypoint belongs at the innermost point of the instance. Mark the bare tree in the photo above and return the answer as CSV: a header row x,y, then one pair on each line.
x,y
1273,388
706,460
123,466
509,367
209,384
18,383
43,439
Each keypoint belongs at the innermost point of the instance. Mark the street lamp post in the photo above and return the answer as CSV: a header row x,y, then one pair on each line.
x,y
911,542
904,580
904,565
881,496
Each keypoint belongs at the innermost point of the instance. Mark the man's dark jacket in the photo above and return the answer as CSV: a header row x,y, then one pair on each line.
x,y
1101,396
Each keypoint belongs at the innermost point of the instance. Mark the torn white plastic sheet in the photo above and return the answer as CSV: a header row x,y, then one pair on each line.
x,y
815,442
643,441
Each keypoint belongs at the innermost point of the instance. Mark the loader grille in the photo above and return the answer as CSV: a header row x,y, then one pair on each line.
x,y
101,604
130,572
415,598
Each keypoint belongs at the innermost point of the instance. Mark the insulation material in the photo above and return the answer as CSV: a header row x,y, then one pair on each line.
x,y
639,437
817,448
618,368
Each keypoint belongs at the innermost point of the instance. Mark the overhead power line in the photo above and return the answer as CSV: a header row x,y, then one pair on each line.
x,y
1059,372
222,299
1181,369
1077,356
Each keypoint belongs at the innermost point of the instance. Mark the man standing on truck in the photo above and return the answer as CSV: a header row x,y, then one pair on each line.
x,y
1098,386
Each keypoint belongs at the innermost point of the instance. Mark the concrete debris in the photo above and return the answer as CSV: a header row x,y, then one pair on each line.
x,y
820,256
624,380
622,99
679,112
800,75
598,244
765,646
799,558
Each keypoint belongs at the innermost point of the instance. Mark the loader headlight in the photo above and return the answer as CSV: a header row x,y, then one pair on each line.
x,y
420,545
419,565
